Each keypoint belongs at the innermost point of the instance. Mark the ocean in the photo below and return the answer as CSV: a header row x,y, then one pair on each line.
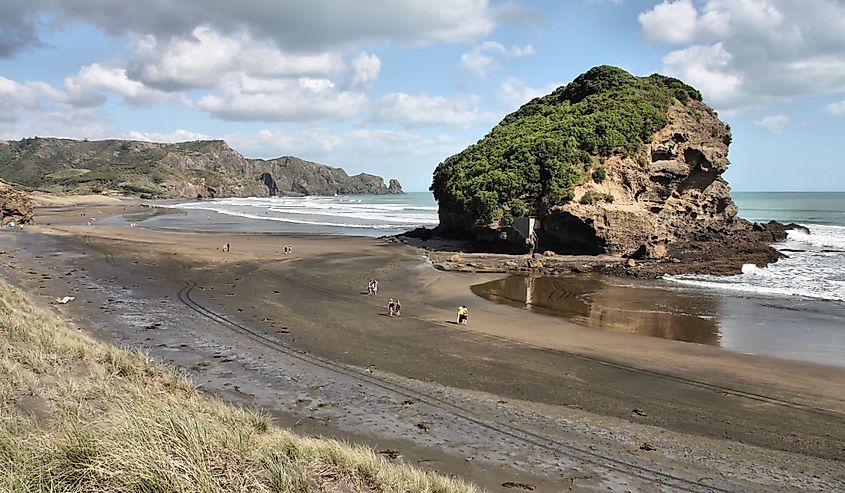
x,y
794,308
814,266
359,215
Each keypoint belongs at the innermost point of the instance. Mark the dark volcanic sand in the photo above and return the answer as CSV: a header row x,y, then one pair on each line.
x,y
513,397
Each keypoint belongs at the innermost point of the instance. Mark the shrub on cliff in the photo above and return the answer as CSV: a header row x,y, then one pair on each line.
x,y
537,155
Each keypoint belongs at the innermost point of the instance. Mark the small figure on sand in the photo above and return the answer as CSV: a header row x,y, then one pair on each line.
x,y
227,247
370,287
391,308
286,249
397,307
375,287
463,315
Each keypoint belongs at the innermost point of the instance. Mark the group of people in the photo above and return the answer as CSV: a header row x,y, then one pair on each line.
x,y
227,247
288,249
372,287
394,308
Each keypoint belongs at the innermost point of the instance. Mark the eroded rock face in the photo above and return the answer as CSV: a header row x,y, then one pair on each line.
x,y
394,186
672,192
15,206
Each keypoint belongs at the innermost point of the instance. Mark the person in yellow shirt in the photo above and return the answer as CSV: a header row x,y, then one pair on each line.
x,y
463,314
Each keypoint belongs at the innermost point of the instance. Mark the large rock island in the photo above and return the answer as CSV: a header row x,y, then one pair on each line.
x,y
608,164
200,169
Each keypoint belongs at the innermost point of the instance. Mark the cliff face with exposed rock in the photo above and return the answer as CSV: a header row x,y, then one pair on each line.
x,y
201,169
15,206
671,191
609,164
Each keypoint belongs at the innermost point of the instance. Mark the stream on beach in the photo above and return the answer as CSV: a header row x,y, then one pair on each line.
x,y
795,328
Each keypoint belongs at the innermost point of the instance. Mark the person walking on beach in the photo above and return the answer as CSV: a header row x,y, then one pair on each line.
x,y
391,306
397,307
375,287
228,247
463,314
369,288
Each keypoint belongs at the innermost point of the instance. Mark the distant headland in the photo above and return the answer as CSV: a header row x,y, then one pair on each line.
x,y
198,169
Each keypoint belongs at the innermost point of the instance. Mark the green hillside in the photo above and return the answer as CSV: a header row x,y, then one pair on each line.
x,y
208,168
69,166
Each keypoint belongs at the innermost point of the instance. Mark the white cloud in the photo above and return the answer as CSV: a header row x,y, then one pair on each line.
x,y
87,87
19,100
312,26
246,79
483,58
427,110
749,53
514,93
671,22
836,109
709,69
178,135
365,70
244,98
203,57
319,144
773,124
36,108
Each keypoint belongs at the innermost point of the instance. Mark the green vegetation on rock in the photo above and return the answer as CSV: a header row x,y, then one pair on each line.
x,y
536,155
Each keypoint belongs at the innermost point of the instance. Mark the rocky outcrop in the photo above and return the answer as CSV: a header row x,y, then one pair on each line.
x,y
294,176
394,186
609,164
15,206
672,192
201,169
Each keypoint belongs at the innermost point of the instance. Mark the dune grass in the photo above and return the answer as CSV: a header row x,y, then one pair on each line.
x,y
77,415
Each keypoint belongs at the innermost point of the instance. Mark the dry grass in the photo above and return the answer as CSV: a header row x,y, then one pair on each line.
x,y
80,416
44,199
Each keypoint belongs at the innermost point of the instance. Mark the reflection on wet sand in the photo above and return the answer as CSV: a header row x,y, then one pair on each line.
x,y
599,304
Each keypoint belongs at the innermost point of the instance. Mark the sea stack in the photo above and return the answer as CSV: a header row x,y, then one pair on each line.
x,y
608,164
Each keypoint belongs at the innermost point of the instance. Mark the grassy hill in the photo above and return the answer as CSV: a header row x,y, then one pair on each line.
x,y
80,416
207,168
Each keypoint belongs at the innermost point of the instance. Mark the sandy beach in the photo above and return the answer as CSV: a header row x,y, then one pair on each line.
x,y
513,398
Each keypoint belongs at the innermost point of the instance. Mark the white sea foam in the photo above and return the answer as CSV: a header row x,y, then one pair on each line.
x,y
821,236
361,212
814,268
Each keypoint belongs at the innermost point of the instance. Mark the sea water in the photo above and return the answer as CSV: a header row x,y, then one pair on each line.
x,y
814,262
360,215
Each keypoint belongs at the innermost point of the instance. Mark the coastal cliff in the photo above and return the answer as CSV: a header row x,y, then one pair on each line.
x,y
608,164
199,169
15,206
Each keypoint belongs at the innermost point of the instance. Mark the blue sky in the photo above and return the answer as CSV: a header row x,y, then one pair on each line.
x,y
393,88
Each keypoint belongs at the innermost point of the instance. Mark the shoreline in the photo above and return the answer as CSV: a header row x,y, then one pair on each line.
x,y
311,301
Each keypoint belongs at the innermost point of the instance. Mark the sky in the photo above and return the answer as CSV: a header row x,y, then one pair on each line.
x,y
395,87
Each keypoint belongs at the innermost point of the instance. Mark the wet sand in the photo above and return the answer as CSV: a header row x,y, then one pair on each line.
x,y
790,328
513,397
